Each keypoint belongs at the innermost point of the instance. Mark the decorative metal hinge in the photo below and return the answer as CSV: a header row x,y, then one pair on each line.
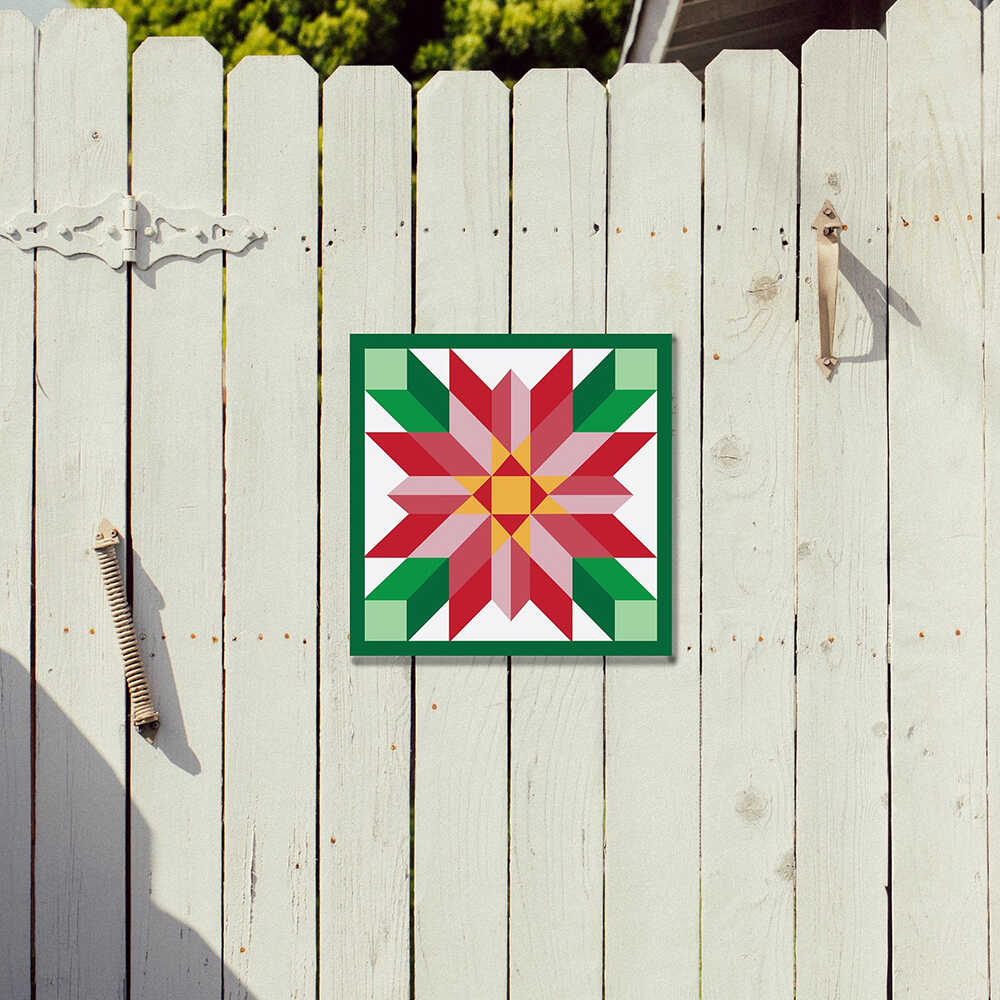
x,y
124,229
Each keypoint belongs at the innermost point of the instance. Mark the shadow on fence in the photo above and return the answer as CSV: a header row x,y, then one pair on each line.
x,y
171,741
95,865
877,299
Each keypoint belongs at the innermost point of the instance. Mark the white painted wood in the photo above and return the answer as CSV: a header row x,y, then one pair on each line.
x,y
652,714
460,823
263,926
991,225
748,545
17,278
463,204
81,145
559,196
364,703
938,732
271,439
557,707
176,513
842,825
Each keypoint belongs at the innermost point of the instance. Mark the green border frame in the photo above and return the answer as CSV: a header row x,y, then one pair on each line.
x,y
663,645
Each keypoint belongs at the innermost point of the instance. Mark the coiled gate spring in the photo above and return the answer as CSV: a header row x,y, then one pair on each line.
x,y
144,716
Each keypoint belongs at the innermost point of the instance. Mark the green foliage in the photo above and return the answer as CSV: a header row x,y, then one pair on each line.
x,y
513,36
418,37
325,34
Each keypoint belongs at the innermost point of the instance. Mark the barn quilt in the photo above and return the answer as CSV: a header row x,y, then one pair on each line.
x,y
510,495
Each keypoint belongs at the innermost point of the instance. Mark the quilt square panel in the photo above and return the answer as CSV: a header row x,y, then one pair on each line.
x,y
510,495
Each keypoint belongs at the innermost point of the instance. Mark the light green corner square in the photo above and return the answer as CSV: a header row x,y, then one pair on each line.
x,y
385,621
385,367
635,621
635,368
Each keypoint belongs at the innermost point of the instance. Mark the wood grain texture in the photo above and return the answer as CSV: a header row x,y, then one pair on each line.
x,y
748,543
936,551
463,204
460,823
842,826
176,514
746,821
364,703
557,706
652,714
81,156
559,203
991,226
17,278
271,441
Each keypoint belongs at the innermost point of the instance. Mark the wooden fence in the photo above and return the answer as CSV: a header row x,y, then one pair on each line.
x,y
796,803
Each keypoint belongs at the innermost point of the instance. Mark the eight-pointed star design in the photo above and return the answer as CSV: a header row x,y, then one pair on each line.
x,y
510,494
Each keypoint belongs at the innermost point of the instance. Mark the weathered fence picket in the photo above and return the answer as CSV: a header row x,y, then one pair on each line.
x,y
794,803
364,821
81,147
652,884
176,489
460,785
748,529
271,448
842,818
17,278
936,515
991,367
558,271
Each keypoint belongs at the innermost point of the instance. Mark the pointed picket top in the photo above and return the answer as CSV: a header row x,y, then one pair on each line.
x,y
931,31
463,202
545,79
357,101
89,16
559,202
92,25
464,97
633,77
935,87
15,20
80,92
164,48
751,56
654,111
931,12
756,87
366,77
834,37
272,114
288,66
484,80
177,85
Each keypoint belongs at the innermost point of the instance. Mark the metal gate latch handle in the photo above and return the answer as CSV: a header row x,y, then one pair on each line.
x,y
144,716
827,226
